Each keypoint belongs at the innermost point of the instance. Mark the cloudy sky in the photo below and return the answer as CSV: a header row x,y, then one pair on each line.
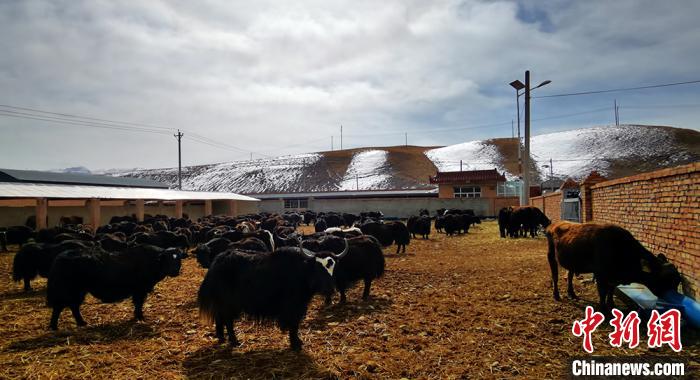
x,y
278,77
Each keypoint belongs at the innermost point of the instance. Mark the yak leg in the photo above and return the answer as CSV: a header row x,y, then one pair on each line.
x,y
610,301
570,285
329,300
53,325
138,300
75,309
27,285
341,290
365,293
603,290
232,340
220,329
554,267
403,248
294,341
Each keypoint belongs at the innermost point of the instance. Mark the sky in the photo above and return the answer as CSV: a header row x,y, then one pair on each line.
x,y
268,78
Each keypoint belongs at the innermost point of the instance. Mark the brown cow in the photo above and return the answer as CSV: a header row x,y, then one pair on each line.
x,y
612,254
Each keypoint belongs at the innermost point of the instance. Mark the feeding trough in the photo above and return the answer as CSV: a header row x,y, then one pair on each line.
x,y
647,301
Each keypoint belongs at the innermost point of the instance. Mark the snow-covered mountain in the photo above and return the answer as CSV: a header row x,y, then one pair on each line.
x,y
614,151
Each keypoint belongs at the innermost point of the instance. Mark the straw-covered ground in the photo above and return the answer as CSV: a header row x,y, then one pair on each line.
x,y
470,306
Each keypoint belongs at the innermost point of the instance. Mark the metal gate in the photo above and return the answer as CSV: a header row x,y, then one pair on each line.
x,y
571,209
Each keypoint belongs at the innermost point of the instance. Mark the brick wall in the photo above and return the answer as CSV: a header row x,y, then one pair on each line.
x,y
662,210
550,204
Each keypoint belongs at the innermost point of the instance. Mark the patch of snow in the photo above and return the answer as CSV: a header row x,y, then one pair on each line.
x,y
368,170
475,155
576,153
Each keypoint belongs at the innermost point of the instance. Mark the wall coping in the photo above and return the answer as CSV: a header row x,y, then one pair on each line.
x,y
553,194
683,169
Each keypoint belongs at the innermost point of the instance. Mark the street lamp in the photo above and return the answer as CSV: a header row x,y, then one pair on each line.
x,y
518,85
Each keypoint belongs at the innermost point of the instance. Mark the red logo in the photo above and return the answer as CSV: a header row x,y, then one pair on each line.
x,y
586,327
665,329
625,330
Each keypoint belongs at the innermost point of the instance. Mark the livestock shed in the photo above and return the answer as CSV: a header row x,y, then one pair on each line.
x,y
49,196
393,203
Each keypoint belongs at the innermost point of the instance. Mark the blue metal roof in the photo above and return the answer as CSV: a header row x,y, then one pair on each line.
x,y
33,176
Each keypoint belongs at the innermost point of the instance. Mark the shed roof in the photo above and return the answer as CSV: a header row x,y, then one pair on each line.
x,y
35,176
401,193
34,190
467,176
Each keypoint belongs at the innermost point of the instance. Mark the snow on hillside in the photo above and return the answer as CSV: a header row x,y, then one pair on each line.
x,y
576,153
259,176
368,170
475,155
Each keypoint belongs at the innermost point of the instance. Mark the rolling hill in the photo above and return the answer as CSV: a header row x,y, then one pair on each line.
x,y
614,151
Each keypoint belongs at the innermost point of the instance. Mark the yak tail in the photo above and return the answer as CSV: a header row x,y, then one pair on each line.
x,y
206,299
22,265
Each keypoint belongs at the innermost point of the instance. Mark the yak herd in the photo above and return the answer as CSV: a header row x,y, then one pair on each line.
x,y
260,265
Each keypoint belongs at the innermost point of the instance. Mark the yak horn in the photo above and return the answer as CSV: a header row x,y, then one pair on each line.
x,y
345,251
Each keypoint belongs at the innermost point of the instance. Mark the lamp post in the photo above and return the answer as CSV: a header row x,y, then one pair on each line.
x,y
518,85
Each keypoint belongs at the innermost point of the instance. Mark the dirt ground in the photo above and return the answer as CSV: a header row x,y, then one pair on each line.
x,y
472,306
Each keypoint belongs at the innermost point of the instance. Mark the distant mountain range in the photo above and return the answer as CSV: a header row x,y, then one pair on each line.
x,y
614,151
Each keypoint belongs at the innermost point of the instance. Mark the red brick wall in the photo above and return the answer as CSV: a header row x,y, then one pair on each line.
x,y
662,210
550,204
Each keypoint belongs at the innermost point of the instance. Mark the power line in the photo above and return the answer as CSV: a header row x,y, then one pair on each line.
x,y
84,117
617,89
79,123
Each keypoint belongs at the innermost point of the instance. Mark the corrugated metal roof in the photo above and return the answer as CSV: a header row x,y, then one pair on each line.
x,y
469,175
35,190
351,194
34,176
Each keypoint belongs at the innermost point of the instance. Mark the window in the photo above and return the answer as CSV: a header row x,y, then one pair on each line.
x,y
509,189
296,203
468,192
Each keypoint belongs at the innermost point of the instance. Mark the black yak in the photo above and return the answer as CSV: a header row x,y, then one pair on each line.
x,y
611,253
162,239
15,235
388,233
504,220
363,261
419,225
275,286
527,219
109,277
35,259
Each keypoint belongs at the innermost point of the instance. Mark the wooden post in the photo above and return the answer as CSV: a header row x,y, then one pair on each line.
x,y
140,207
232,208
207,207
178,208
94,213
42,213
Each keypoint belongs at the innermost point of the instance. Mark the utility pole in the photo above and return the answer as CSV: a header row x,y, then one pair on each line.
x,y
406,138
512,128
341,137
460,165
178,136
526,154
357,182
332,143
617,113
520,154
551,169
518,85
